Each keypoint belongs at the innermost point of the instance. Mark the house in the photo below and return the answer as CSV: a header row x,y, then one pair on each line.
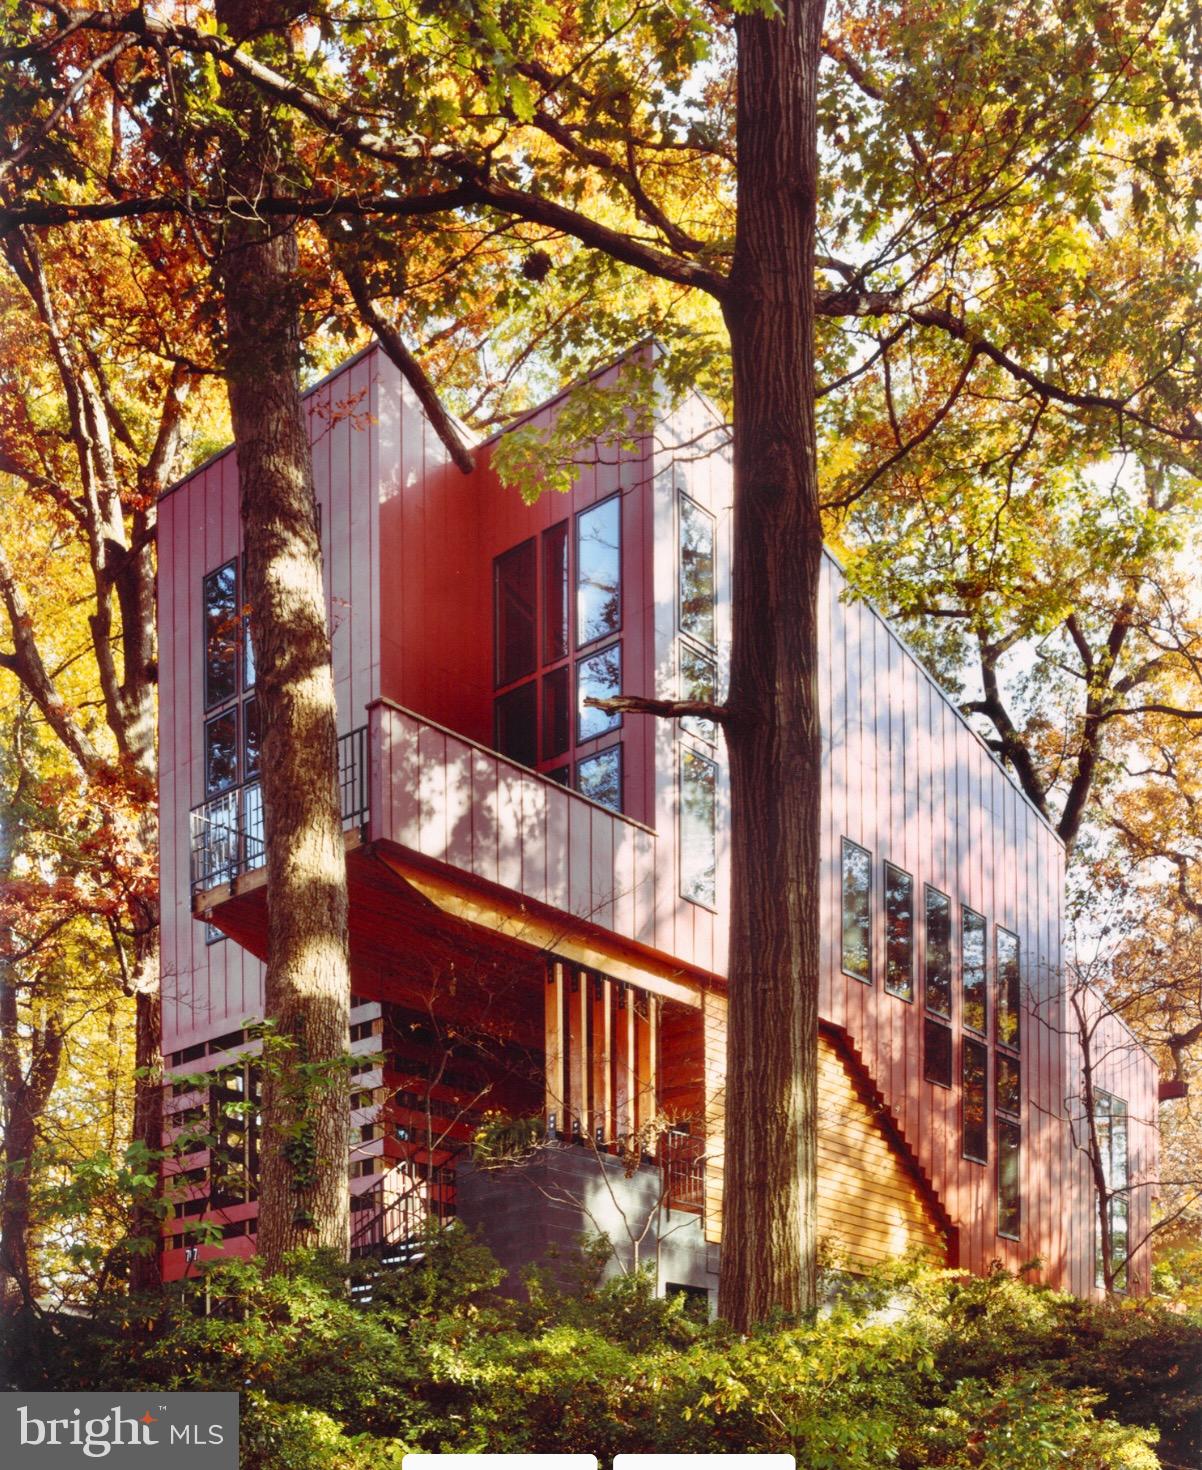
x,y
538,889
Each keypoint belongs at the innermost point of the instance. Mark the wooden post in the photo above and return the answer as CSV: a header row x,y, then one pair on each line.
x,y
556,1093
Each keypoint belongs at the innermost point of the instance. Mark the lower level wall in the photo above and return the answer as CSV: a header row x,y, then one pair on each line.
x,y
537,1212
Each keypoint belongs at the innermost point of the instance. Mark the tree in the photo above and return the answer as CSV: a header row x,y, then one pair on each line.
x,y
306,989
959,146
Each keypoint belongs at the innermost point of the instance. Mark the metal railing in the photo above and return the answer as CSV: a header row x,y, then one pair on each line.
x,y
227,830
682,1158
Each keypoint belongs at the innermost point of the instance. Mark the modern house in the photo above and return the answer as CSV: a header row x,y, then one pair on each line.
x,y
538,890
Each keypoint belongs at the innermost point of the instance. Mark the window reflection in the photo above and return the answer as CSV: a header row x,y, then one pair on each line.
x,y
221,751
696,571
698,828
972,954
1009,1207
697,681
598,677
857,879
974,1100
221,634
598,571
1008,989
899,932
599,777
939,953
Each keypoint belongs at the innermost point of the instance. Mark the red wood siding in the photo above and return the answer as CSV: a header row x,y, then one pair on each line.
x,y
409,544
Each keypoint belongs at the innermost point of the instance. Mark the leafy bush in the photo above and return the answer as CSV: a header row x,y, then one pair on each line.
x,y
911,1369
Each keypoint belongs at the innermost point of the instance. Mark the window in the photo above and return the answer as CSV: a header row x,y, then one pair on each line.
x,y
555,592
599,676
939,953
697,681
221,625
252,739
557,713
937,1052
1110,1124
221,751
857,886
515,720
1008,1084
234,1122
974,1093
698,828
598,571
899,933
1009,1189
1009,995
696,571
514,595
972,970
600,777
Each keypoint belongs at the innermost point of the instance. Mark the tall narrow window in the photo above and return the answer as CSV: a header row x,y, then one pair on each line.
x,y
597,677
939,953
857,887
974,1093
1009,1179
697,681
516,718
1009,989
899,932
222,621
252,739
221,751
599,571
698,828
555,592
514,599
696,571
1008,1084
972,970
937,1052
600,777
557,712
1110,1123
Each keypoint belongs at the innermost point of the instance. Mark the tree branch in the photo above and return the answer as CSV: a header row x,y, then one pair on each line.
x,y
390,340
666,709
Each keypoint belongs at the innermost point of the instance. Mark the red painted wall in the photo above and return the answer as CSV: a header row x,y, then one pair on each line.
x,y
409,544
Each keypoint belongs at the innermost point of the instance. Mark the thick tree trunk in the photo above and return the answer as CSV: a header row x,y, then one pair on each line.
x,y
773,739
303,1188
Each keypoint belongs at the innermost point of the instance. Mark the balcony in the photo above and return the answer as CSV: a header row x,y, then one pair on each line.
x,y
227,830
448,832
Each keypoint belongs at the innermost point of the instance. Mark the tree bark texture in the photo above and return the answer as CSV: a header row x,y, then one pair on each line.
x,y
772,729
303,1187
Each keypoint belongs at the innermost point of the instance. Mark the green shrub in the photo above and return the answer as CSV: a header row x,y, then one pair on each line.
x,y
912,1369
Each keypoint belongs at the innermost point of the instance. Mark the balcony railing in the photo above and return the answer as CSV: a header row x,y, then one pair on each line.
x,y
682,1158
227,830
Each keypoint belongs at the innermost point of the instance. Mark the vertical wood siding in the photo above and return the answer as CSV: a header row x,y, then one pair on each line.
x,y
408,543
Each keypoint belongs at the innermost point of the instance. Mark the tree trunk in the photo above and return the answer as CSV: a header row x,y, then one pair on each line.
x,y
303,1188
773,738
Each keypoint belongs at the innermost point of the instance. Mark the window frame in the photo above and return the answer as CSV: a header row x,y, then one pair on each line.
x,y
578,706
908,994
1002,1124
686,752
580,642
929,891
682,498
211,702
1000,1010
977,1044
596,755
933,1024
982,1031
846,844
